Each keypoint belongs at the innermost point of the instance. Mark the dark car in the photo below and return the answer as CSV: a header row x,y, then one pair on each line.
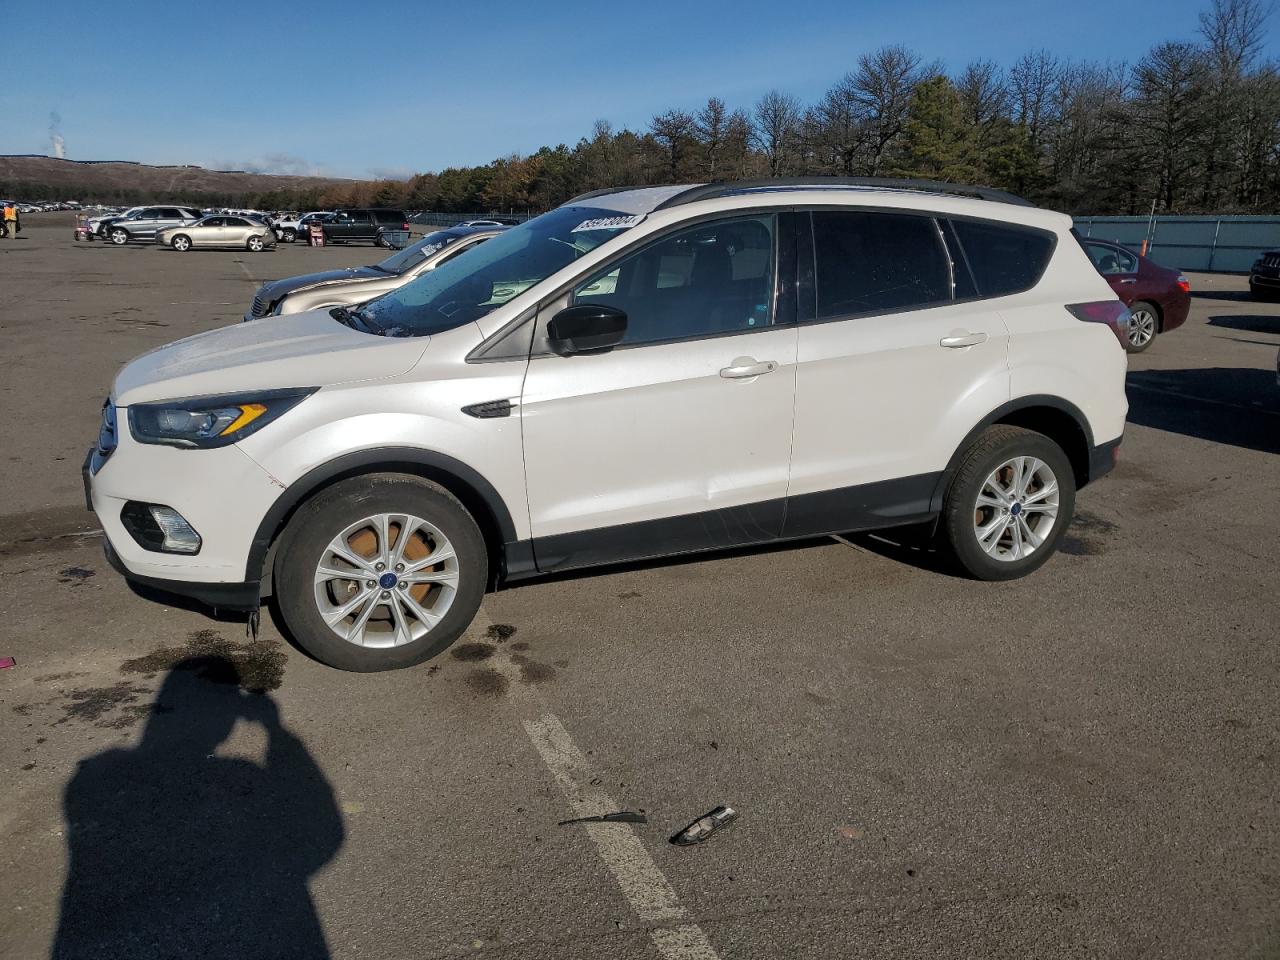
x,y
350,226
1158,298
1264,277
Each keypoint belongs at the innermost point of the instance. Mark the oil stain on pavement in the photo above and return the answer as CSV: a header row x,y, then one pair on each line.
x,y
1087,535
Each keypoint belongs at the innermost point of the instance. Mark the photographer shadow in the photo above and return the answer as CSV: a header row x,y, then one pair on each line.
x,y
176,852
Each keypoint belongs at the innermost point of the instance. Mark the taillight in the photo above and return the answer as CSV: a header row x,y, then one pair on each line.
x,y
405,226
1183,285
1111,312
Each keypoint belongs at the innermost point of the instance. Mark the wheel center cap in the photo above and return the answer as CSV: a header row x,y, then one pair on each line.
x,y
387,581
1016,509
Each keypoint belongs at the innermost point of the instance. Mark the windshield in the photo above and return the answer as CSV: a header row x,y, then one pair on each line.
x,y
414,254
466,288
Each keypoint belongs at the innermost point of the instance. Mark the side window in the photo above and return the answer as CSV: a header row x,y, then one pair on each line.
x,y
462,248
237,222
169,213
1004,259
877,263
214,222
711,278
1111,260
151,213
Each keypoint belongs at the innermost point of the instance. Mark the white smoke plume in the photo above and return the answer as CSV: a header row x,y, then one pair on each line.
x,y
56,141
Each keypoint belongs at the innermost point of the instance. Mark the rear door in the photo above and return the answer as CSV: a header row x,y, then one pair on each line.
x,y
209,232
679,438
1118,266
892,367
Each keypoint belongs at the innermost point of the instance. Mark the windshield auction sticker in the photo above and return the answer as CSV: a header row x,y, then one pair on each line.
x,y
608,223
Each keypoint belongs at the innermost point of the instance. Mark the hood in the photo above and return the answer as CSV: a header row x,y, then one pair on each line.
x,y
302,350
275,289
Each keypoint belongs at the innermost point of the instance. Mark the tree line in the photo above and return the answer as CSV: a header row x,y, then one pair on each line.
x,y
1193,126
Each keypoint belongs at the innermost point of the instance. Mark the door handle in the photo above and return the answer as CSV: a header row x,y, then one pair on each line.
x,y
744,368
963,340
1130,280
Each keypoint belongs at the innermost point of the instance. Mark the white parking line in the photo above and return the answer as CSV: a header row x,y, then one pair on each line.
x,y
643,885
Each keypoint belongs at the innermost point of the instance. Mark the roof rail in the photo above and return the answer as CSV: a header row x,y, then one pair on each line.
x,y
608,190
708,191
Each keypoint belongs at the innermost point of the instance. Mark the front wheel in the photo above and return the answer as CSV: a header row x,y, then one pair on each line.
x,y
255,244
1009,504
380,572
119,236
290,235
1144,324
182,243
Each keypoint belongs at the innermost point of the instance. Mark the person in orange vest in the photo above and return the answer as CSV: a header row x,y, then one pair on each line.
x,y
11,226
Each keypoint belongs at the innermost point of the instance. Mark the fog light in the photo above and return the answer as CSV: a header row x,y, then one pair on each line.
x,y
159,528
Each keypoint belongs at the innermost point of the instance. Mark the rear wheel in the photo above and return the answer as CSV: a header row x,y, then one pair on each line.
x,y
255,244
182,243
290,235
380,572
1144,324
1009,504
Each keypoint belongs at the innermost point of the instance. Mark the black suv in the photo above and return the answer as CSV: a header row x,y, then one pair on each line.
x,y
368,224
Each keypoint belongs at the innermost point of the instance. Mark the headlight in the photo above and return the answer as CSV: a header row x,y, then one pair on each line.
x,y
206,422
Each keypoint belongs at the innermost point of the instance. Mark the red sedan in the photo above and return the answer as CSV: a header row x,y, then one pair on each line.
x,y
1158,298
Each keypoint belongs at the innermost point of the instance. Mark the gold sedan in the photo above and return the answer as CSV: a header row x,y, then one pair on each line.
x,y
219,230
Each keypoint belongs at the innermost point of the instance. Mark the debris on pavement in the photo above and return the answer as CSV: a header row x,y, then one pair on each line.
x,y
7,662
621,816
704,826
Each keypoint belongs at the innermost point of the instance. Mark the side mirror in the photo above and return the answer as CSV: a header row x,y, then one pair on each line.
x,y
586,328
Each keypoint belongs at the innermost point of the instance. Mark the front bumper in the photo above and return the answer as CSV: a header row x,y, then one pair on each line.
x,y
1257,279
220,596
222,493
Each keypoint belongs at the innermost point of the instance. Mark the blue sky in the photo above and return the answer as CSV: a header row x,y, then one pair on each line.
x,y
401,87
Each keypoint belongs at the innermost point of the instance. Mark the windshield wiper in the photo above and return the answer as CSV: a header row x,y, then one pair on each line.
x,y
343,316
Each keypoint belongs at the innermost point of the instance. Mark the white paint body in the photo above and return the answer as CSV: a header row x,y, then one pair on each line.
x,y
626,436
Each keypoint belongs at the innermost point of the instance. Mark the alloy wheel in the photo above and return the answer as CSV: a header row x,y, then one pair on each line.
x,y
386,580
1142,327
1016,509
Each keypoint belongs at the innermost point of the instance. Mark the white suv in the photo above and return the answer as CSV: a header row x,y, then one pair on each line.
x,y
637,373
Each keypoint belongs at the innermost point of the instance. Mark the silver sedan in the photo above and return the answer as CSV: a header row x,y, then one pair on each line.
x,y
221,230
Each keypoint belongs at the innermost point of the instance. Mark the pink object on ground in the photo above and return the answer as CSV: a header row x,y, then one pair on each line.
x,y
7,662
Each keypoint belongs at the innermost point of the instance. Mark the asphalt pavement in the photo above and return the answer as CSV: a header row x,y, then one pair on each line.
x,y
1084,763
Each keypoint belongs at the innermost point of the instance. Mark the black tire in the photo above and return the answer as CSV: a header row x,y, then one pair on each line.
x,y
1262,294
327,514
119,236
381,241
1134,341
290,235
960,511
181,249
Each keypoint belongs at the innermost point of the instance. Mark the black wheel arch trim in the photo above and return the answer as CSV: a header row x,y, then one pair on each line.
x,y
369,461
1031,401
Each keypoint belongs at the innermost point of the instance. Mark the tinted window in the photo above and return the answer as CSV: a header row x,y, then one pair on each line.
x,y
213,222
1110,260
237,222
712,278
1003,259
388,216
170,213
877,262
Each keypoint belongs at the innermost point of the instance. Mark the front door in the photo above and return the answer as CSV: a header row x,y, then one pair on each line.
x,y
678,439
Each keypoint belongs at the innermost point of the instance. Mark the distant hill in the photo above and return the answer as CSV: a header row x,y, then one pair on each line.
x,y
31,177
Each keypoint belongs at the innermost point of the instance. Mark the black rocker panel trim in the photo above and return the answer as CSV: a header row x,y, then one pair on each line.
x,y
863,507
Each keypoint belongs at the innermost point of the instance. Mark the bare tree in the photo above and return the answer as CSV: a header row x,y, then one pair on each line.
x,y
983,91
709,126
775,122
1030,80
1235,31
673,132
882,86
1168,111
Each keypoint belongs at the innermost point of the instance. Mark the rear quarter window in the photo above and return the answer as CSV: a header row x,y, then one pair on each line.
x,y
388,216
1004,259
